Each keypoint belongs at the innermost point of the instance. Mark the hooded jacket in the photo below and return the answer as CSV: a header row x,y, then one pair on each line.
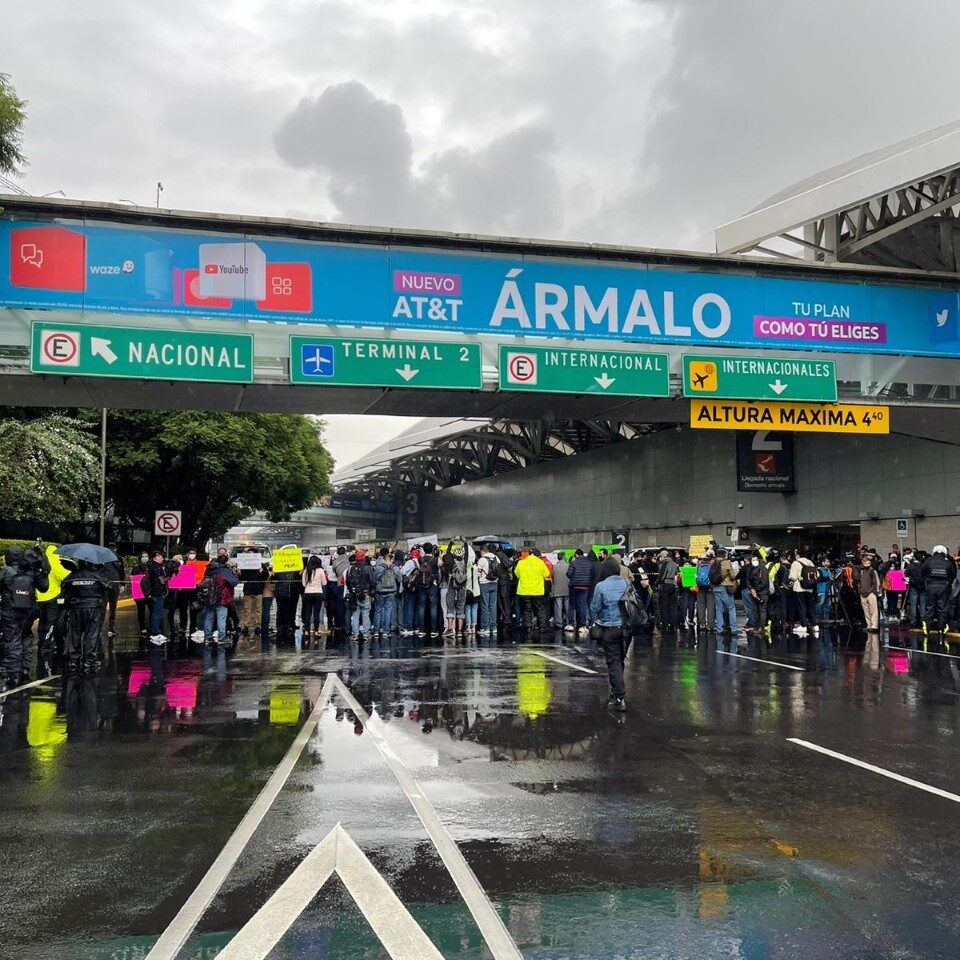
x,y
605,603
58,573
20,580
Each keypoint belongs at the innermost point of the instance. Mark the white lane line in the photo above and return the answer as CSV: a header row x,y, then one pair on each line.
x,y
883,773
774,663
180,928
498,939
926,653
566,663
33,683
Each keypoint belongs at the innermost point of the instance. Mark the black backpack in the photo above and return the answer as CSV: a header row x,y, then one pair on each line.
x,y
428,572
493,568
716,574
411,580
809,575
357,583
207,589
633,613
458,575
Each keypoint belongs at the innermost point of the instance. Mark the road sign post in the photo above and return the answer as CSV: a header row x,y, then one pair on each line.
x,y
85,350
624,373
339,361
759,378
794,417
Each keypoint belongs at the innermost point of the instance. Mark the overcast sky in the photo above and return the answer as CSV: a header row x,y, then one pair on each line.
x,y
645,122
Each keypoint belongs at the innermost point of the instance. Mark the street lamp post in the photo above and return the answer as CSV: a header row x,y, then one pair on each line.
x,y
103,471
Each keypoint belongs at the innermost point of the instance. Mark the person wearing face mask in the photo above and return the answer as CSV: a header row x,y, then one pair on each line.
x,y
187,602
755,592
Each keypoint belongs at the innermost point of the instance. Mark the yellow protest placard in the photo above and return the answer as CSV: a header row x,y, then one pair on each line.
x,y
798,417
287,560
699,544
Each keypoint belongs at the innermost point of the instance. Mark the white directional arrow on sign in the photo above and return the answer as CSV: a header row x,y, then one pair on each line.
x,y
100,347
778,386
407,372
605,381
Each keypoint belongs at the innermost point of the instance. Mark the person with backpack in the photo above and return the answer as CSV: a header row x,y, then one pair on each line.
x,y
457,593
445,565
938,572
803,580
580,576
505,587
706,605
488,575
410,622
215,595
723,583
360,586
23,575
288,588
755,592
314,580
385,593
667,573
428,604
471,608
608,621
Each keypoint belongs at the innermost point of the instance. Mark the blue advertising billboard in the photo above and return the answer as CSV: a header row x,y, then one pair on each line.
x,y
114,268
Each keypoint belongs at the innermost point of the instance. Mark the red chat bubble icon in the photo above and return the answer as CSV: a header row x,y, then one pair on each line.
x,y
48,258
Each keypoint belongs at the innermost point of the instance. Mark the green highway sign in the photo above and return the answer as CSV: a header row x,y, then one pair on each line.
x,y
623,373
352,362
760,378
85,350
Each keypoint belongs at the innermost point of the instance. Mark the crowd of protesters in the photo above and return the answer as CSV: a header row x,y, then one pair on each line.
x,y
462,591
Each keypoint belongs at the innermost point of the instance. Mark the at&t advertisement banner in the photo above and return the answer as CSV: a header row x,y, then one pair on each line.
x,y
100,267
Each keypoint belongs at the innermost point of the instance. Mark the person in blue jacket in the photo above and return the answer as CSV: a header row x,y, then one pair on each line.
x,y
607,618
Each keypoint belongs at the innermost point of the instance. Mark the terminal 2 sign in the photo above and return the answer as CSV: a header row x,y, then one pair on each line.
x,y
103,267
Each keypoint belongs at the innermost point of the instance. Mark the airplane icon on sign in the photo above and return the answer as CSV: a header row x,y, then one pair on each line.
x,y
703,377
316,360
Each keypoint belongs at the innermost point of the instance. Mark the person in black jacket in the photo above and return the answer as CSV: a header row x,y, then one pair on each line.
x,y
154,587
755,591
21,578
938,572
85,595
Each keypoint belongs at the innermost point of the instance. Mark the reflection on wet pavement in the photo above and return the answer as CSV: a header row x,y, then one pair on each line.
x,y
690,827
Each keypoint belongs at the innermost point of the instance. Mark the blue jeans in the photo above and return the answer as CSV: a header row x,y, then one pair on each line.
x,y
751,608
579,599
156,616
209,615
488,607
725,607
429,599
384,612
824,607
470,612
360,618
916,605
410,610
560,607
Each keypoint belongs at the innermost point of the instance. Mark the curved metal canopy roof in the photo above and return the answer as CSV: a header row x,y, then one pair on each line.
x,y
894,207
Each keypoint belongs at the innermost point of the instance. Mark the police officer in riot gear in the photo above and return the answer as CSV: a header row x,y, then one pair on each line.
x,y
938,573
24,574
85,593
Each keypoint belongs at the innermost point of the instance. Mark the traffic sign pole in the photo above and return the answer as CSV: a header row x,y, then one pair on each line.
x,y
759,378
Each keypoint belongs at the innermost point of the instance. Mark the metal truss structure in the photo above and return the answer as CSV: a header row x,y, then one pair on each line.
x,y
897,207
465,451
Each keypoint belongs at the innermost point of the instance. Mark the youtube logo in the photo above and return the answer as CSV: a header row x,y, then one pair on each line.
x,y
289,288
48,258
211,268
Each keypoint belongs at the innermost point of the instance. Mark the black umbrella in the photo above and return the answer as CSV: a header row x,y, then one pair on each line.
x,y
87,551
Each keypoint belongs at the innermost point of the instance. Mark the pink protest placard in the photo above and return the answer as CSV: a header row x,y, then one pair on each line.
x,y
898,583
184,579
135,590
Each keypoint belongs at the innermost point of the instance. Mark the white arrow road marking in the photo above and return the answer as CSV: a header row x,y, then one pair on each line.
x,y
100,347
605,381
407,372
778,386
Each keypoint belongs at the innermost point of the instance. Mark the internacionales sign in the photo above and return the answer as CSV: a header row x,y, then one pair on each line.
x,y
759,378
798,417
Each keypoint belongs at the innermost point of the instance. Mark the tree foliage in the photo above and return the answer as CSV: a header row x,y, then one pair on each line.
x,y
12,117
217,468
49,469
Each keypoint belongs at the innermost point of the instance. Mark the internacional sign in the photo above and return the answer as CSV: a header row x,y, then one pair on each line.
x,y
97,266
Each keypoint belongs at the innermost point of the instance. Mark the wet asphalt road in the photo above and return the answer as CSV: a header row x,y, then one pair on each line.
x,y
690,827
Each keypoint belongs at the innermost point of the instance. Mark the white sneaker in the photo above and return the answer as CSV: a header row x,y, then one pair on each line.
x,y
197,636
158,639
569,628
816,631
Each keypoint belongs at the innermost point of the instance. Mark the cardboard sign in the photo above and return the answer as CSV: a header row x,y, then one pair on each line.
x,y
287,560
422,539
135,590
249,561
898,583
699,544
688,577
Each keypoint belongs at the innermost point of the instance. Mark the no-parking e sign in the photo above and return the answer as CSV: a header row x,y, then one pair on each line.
x,y
167,523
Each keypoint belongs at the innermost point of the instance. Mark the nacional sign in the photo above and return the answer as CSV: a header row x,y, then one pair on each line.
x,y
795,417
84,350
624,373
104,267
332,361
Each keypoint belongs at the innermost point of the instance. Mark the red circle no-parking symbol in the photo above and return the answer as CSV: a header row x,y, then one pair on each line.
x,y
522,368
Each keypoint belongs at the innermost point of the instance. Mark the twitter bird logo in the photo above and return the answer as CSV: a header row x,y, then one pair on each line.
x,y
942,317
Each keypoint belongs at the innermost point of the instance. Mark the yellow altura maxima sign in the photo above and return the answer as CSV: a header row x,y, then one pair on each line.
x,y
800,417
